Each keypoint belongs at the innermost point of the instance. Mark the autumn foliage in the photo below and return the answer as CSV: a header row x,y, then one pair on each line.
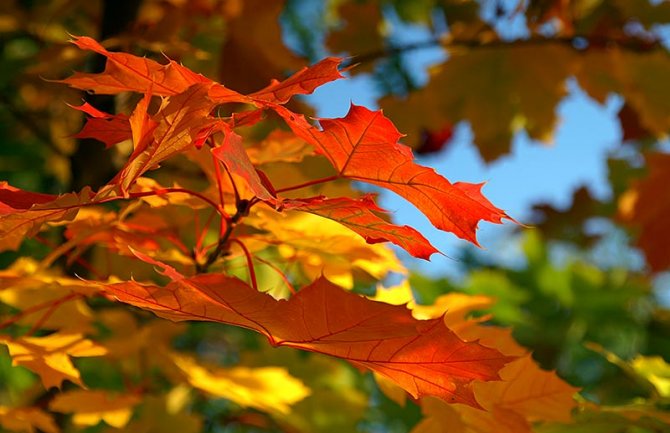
x,y
423,357
235,271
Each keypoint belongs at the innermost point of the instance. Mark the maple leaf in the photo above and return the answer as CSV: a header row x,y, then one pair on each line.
x,y
529,391
107,128
91,407
279,146
269,389
423,357
302,82
128,73
634,75
53,303
364,146
49,356
525,394
488,87
170,131
23,213
321,247
232,153
359,216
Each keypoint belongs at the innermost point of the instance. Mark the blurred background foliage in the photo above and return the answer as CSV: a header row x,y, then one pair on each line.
x,y
603,327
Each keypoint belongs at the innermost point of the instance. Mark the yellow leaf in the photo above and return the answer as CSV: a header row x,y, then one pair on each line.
x,y
269,389
279,146
27,419
529,391
439,417
655,370
390,389
91,407
396,295
49,356
56,306
323,247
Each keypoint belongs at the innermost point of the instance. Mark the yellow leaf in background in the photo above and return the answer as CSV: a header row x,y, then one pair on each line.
x,y
525,394
91,407
655,370
324,248
396,295
27,419
529,391
454,306
49,356
334,405
279,146
390,389
269,389
62,309
439,417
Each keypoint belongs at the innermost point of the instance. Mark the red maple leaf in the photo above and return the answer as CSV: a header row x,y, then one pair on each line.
x,y
422,356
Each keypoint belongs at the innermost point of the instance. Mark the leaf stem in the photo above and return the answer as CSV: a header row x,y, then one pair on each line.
x,y
250,263
161,191
217,170
310,183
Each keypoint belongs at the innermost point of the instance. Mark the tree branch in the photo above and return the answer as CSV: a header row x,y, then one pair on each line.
x,y
578,42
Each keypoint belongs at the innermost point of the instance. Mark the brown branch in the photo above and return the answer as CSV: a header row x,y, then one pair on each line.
x,y
635,44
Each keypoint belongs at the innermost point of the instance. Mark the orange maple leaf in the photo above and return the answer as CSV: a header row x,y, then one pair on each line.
x,y
359,216
302,82
421,356
364,146
128,73
107,128
232,153
22,213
